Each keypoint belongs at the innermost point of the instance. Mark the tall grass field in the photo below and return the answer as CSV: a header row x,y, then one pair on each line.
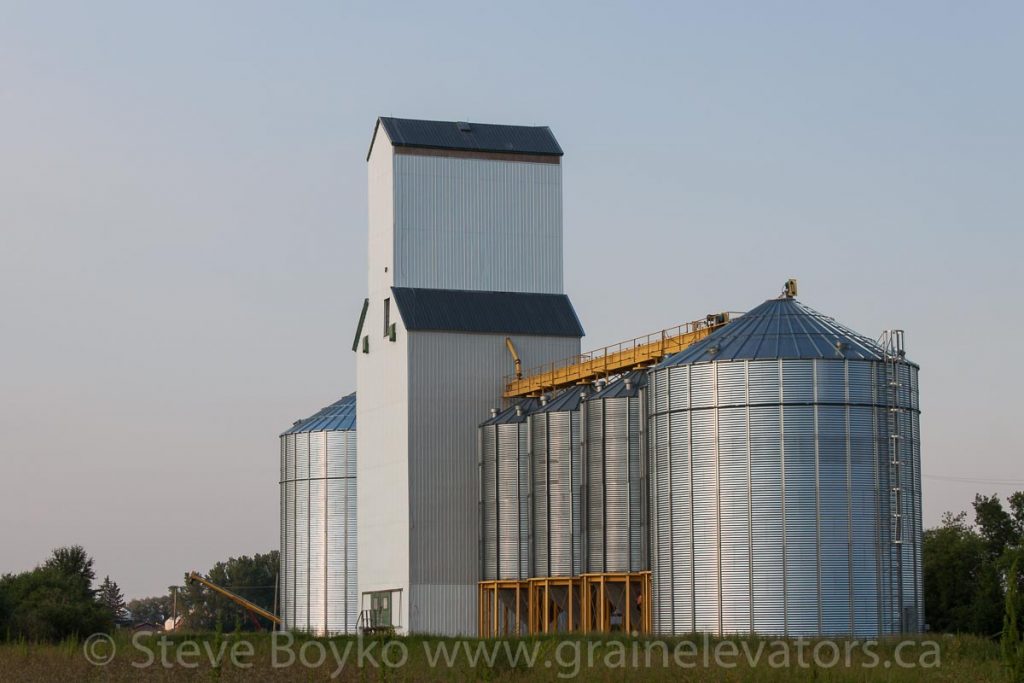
x,y
265,656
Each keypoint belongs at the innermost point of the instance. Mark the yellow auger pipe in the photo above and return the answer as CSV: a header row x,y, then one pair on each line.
x,y
612,360
238,599
515,357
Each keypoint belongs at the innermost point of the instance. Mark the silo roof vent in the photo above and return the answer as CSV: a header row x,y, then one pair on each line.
x,y
512,414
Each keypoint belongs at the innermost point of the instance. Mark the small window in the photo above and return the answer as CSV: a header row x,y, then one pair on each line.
x,y
387,317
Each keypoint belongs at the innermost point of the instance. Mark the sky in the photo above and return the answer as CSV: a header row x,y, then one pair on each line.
x,y
183,222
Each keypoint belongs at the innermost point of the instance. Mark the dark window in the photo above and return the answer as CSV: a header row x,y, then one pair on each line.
x,y
387,317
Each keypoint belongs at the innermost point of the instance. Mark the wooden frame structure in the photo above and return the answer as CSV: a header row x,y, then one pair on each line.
x,y
554,605
503,608
590,603
616,602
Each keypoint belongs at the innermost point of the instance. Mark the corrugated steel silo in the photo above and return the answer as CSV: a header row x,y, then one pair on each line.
x,y
614,477
504,494
318,522
785,481
556,479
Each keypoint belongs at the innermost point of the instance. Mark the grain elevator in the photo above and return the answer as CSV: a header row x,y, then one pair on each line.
x,y
465,249
742,473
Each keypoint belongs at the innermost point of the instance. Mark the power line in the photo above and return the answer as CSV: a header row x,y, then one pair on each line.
x,y
975,480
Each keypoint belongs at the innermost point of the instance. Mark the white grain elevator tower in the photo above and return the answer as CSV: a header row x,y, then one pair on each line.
x,y
465,249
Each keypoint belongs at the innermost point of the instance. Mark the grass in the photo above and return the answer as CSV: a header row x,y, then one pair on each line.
x,y
256,657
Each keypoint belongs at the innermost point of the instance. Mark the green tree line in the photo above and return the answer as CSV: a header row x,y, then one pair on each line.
x,y
60,599
253,578
972,584
56,600
968,567
200,609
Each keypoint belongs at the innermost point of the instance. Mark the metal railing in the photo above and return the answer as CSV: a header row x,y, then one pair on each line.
x,y
614,359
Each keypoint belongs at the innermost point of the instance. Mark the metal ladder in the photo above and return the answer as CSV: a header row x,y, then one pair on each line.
x,y
892,343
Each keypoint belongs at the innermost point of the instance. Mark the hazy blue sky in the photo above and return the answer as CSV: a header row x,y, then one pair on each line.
x,y
183,218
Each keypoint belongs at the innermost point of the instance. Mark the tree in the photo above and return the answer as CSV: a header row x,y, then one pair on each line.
x,y
252,578
74,563
968,568
46,604
1012,645
953,559
995,524
1017,510
154,610
110,596
53,601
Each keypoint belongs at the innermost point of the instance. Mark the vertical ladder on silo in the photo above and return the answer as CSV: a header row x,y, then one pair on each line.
x,y
892,343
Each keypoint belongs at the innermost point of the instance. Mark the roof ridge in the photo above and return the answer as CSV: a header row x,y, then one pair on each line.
x,y
468,137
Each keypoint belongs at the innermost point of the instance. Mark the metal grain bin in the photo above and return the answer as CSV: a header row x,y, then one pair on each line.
x,y
318,591
556,481
504,494
785,481
614,477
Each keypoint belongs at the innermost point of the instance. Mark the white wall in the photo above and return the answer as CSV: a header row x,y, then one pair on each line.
x,y
382,467
381,212
381,413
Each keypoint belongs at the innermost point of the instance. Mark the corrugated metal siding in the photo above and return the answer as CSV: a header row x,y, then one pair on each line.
x,y
489,502
615,518
511,540
318,532
557,478
477,224
448,609
504,501
770,499
454,379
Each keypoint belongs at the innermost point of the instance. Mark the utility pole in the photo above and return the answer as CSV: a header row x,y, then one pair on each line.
x,y
275,593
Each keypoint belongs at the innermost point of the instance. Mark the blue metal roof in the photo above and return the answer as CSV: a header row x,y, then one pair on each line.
x,y
457,310
566,401
779,328
617,389
337,417
470,137
509,415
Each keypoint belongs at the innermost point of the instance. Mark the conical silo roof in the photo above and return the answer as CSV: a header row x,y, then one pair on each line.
x,y
618,389
780,328
566,401
510,415
339,416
